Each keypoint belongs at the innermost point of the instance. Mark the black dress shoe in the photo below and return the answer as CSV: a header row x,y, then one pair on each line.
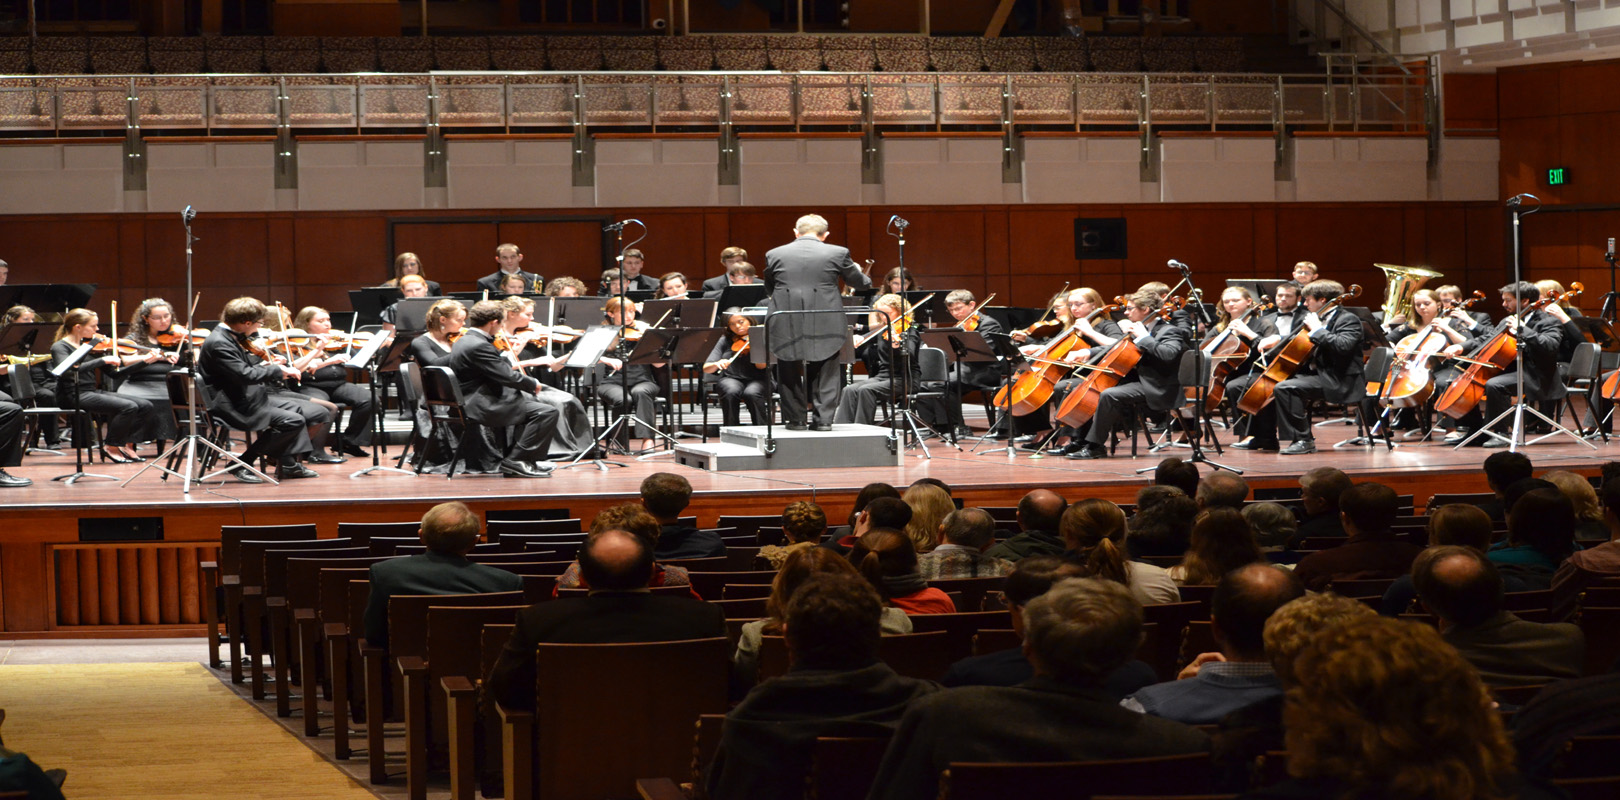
x,y
961,431
1068,449
1300,447
325,458
352,449
294,472
821,426
513,468
1089,451
244,475
797,426
1025,439
10,481
1253,444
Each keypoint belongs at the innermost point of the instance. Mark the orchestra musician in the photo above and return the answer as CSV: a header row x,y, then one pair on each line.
x,y
1233,314
891,282
566,286
495,394
131,419
40,375
1096,335
672,286
318,413
642,379
612,284
1541,336
1464,321
409,264
1428,317
149,379
574,434
11,449
1154,384
729,257
860,399
1305,272
803,275
238,379
444,322
1259,430
327,379
1334,371
630,268
1059,319
410,286
737,377
512,285
510,262
967,377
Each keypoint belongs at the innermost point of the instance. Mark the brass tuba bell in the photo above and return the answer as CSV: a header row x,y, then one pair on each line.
x,y
1403,283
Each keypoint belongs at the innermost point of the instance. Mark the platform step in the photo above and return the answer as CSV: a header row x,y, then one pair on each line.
x,y
742,447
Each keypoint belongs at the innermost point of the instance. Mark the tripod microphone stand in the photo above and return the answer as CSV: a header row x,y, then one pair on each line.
x,y
1611,301
1515,438
901,362
192,440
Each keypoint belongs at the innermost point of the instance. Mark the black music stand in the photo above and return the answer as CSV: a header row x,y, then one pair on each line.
x,y
70,364
683,313
373,359
741,295
960,347
578,312
410,313
368,303
27,338
47,297
927,307
587,355
692,348
656,346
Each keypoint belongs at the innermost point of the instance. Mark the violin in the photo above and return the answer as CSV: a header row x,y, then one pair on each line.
x,y
1491,359
123,347
971,323
637,327
1287,359
897,327
1048,366
1107,372
177,335
740,345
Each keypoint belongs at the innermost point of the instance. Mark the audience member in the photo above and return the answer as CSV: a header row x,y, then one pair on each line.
x,y
1221,542
1030,579
618,565
1542,728
1382,708
1163,529
803,525
631,518
885,557
929,505
799,567
1593,564
449,530
1038,515
1501,471
665,495
943,486
1180,474
966,534
1094,530
19,773
1541,534
866,495
1461,587
1273,524
1319,492
1367,511
1075,634
1451,524
881,512
1216,684
1589,525
1220,489
836,687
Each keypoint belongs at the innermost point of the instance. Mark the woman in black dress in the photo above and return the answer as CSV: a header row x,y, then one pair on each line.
x,y
149,380
129,419
736,376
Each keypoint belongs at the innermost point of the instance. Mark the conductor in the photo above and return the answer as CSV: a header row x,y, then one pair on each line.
x,y
803,276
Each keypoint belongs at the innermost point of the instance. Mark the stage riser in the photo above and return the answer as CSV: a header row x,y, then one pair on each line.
x,y
742,447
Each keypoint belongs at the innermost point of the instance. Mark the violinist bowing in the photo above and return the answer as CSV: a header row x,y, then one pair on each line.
x,y
148,379
130,419
496,395
1153,384
242,398
574,434
737,377
1541,333
325,378
967,377
1088,316
641,378
880,353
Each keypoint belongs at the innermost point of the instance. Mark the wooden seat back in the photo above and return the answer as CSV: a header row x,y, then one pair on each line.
x,y
973,590
1589,757
232,536
710,585
959,627
995,640
746,608
1369,587
740,557
749,524
496,559
363,531
276,563
657,743
250,555
745,591
843,768
915,655
304,576
673,591
495,528
554,550
407,616
1602,628
1079,780
710,564
508,514
1162,648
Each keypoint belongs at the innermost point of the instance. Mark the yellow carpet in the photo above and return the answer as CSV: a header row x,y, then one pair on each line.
x,y
157,731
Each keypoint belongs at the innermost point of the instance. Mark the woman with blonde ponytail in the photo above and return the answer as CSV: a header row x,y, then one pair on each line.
x,y
1094,530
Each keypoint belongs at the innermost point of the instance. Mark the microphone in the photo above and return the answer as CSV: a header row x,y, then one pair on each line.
x,y
1514,201
897,222
1611,247
613,226
1174,264
190,214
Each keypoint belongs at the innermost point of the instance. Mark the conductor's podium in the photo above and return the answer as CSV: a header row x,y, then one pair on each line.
x,y
742,447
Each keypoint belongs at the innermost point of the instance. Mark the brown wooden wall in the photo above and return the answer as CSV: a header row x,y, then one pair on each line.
x,y
1024,253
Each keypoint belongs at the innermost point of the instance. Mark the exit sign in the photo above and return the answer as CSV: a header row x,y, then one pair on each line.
x,y
1557,176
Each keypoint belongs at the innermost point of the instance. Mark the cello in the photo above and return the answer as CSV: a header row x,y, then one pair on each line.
x,y
1034,387
1491,359
1225,352
1287,358
1411,378
1106,373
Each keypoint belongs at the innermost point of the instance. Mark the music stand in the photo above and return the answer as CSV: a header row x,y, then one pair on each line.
x,y
1259,287
587,354
692,348
683,313
960,347
369,303
47,297
371,359
1595,329
578,312
467,298
57,371
927,313
741,295
27,338
1370,329
410,313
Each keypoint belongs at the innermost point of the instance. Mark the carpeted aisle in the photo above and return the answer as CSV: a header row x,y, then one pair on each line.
x,y
157,730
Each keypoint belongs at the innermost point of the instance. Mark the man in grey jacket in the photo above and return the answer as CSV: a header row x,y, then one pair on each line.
x,y
803,275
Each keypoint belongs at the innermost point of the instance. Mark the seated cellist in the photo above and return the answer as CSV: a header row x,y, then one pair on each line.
x,y
1333,371
1154,383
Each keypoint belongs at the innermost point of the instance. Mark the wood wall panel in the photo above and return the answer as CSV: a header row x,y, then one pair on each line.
x,y
335,250
1584,147
1528,92
1589,88
127,584
1470,101
451,252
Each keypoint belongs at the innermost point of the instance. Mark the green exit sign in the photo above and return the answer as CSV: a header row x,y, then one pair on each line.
x,y
1557,176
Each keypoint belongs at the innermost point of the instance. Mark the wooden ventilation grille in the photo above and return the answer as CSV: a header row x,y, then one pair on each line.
x,y
147,583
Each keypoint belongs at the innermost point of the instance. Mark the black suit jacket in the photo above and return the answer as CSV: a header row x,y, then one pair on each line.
x,y
531,280
237,379
490,386
1541,338
428,573
988,373
803,275
1337,357
1159,369
600,618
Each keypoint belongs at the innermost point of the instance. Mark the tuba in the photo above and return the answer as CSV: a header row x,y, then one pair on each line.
x,y
1403,283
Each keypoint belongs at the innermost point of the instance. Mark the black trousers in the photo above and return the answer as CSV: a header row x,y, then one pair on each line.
x,y
860,400
11,426
1290,397
1114,406
129,419
806,382
284,437
734,393
536,423
644,394
362,413
317,417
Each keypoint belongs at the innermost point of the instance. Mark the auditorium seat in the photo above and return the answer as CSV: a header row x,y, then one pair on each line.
x,y
1115,53
93,102
517,53
965,100
251,588
542,100
14,55
1218,53
1109,99
174,102
692,53
902,98
794,53
118,55
304,593
235,54
403,54
633,53
1079,780
830,99
221,583
1169,54
843,768
742,52
855,53
282,629
1062,54
322,101
349,53
955,53
61,55
1010,54
901,53
573,53
463,53
292,54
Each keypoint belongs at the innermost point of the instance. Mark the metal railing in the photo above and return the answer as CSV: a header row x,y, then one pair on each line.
x,y
722,101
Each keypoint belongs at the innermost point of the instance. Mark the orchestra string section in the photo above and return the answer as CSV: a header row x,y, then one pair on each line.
x,y
519,373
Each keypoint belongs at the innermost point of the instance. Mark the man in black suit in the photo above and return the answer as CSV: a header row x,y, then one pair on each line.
x,y
1155,384
803,276
241,398
1542,336
510,261
449,530
967,377
630,269
665,495
1334,370
11,427
730,258
617,565
495,394
1077,633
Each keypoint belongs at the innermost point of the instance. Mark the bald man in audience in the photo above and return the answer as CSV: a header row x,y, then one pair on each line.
x,y
1219,489
616,564
1038,515
449,530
